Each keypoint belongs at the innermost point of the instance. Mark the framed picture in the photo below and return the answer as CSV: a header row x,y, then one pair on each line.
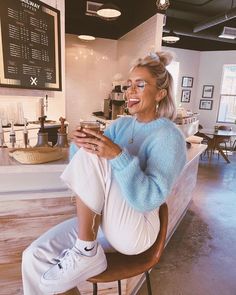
x,y
187,82
205,104
185,96
207,91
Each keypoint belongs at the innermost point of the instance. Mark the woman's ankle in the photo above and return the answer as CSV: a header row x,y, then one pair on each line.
x,y
87,248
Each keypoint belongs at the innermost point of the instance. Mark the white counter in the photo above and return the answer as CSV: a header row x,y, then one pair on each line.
x,y
19,182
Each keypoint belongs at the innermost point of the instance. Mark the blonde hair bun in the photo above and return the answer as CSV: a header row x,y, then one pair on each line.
x,y
154,58
165,57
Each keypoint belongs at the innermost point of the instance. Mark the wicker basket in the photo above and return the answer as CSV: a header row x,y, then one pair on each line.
x,y
36,155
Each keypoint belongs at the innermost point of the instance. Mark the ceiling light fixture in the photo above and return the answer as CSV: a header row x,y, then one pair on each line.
x,y
86,37
162,4
170,37
228,33
109,11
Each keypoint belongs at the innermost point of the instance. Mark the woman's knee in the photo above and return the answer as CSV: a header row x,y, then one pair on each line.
x,y
32,255
28,255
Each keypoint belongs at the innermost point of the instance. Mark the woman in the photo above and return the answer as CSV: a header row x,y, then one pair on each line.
x,y
120,179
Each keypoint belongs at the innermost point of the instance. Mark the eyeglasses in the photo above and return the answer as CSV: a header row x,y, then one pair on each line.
x,y
138,84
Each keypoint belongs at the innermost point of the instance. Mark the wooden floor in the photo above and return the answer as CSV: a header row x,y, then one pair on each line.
x,y
200,257
22,222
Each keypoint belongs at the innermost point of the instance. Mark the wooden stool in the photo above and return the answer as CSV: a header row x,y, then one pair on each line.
x,y
122,266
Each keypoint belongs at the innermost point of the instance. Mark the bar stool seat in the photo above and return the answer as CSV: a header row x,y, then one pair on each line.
x,y
122,266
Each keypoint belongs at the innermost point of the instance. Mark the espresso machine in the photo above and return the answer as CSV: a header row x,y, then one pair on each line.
x,y
115,104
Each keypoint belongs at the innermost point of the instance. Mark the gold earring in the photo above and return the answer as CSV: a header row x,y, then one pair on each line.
x,y
164,93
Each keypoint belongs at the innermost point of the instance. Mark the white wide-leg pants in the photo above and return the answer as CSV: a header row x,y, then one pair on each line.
x,y
122,229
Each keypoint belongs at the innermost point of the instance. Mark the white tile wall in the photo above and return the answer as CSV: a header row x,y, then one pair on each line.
x,y
138,43
90,68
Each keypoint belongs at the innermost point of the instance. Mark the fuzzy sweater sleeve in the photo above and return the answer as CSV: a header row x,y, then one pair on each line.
x,y
146,189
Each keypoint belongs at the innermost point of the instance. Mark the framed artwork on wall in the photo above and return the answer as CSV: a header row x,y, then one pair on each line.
x,y
205,104
185,96
187,82
207,91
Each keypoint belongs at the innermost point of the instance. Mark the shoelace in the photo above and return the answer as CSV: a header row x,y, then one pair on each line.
x,y
67,259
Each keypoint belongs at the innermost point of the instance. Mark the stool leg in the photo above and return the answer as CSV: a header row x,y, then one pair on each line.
x,y
226,150
95,288
119,287
148,283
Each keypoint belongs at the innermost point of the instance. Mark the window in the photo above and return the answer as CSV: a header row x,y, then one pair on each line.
x,y
227,107
173,68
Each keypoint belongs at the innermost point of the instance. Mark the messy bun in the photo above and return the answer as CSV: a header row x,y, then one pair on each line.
x,y
163,58
156,64
166,57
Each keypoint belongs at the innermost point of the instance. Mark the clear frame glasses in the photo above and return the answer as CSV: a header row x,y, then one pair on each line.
x,y
139,85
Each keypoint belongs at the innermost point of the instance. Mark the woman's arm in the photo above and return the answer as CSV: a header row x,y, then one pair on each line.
x,y
72,150
147,189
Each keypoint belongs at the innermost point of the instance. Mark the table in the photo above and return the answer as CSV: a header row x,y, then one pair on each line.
x,y
217,134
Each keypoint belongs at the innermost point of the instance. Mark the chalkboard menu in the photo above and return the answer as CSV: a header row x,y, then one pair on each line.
x,y
30,52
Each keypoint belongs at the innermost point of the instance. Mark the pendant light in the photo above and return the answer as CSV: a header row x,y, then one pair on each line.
x,y
86,37
162,4
170,37
109,11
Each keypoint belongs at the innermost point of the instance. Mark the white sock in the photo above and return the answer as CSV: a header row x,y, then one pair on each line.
x,y
87,248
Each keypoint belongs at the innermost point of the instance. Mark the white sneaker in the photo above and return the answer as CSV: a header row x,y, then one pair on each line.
x,y
72,269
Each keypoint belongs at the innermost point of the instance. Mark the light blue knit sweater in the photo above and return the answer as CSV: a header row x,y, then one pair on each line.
x,y
148,167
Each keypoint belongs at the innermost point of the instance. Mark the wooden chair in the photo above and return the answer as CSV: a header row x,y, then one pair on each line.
x,y
200,127
234,145
210,148
122,266
203,135
224,127
224,139
206,140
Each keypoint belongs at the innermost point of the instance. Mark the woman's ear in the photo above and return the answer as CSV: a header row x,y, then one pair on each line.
x,y
161,94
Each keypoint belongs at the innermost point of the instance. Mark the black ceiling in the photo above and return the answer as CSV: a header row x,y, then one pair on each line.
x,y
181,16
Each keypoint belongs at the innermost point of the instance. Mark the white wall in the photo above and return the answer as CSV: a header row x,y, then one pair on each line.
x,y
90,67
206,69
210,73
9,97
139,42
188,67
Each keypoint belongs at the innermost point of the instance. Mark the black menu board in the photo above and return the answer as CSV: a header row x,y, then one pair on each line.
x,y
30,52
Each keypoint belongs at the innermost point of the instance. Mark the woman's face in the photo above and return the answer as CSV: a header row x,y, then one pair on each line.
x,y
142,94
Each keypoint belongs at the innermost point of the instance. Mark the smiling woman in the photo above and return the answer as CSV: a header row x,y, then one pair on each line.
x,y
130,171
154,85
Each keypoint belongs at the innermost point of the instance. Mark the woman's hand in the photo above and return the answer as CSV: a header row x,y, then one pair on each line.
x,y
97,144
